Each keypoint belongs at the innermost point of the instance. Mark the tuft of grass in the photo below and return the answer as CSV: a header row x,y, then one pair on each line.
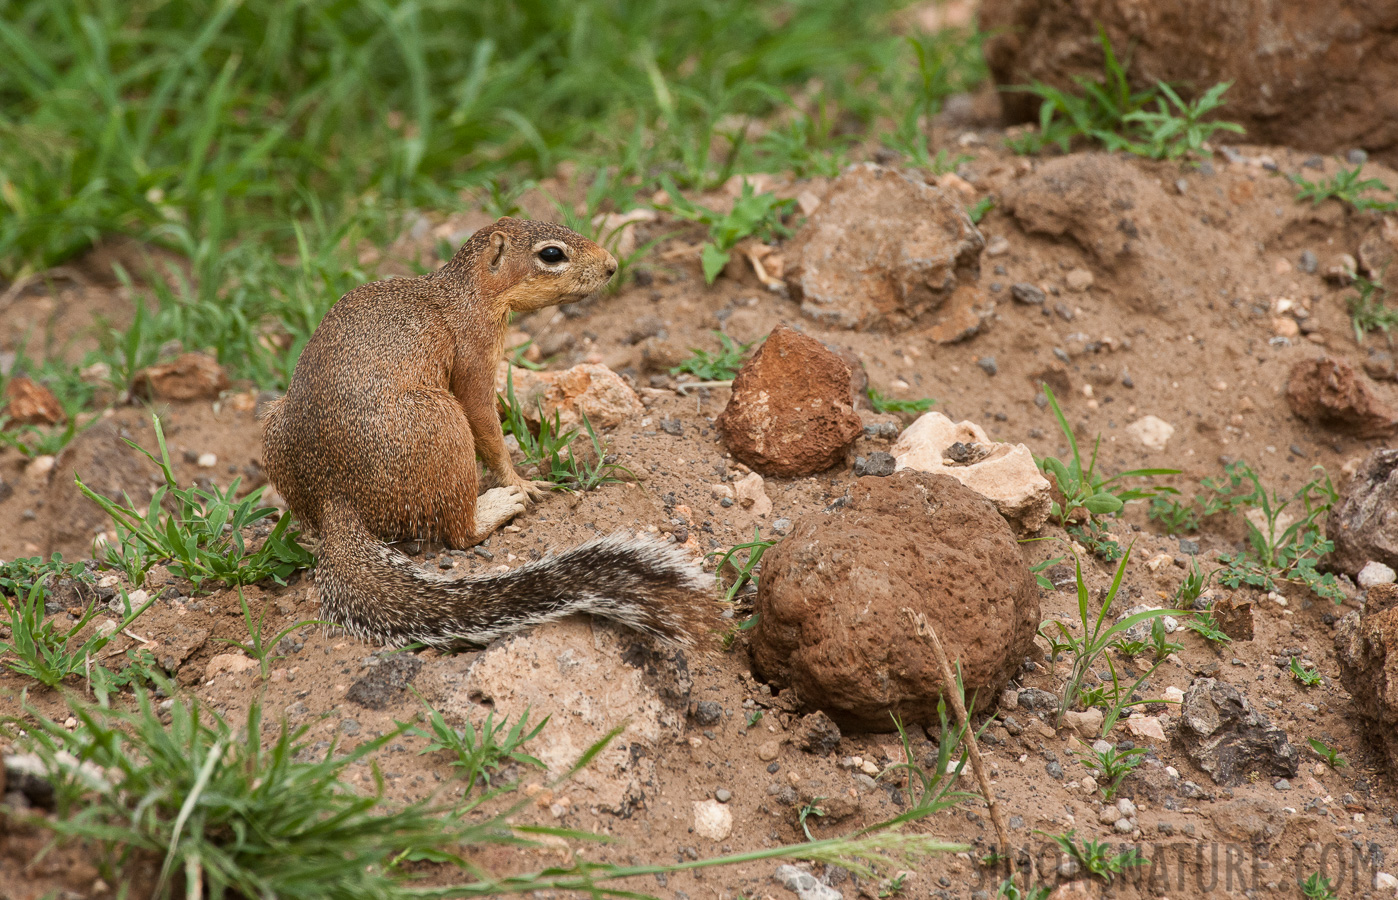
x,y
1110,766
1368,309
1108,112
256,646
1097,638
47,653
1086,494
554,451
202,538
720,365
22,574
480,753
885,404
753,215
1345,186
222,815
736,576
1096,857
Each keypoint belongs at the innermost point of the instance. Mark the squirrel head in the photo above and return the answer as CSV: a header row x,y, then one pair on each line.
x,y
525,265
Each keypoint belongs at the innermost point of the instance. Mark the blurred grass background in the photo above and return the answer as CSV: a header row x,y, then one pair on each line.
x,y
259,141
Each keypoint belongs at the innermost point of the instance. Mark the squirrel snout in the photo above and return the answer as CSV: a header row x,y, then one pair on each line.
x,y
610,265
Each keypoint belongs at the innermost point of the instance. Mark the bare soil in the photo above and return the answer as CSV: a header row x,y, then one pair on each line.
x,y
1209,364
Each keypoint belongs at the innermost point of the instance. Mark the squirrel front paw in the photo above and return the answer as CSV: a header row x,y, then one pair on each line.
x,y
533,490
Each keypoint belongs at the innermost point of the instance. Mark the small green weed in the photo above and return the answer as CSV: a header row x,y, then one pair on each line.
x,y
892,887
42,650
1282,552
738,577
1097,637
1111,766
1203,623
1330,755
1304,676
1038,569
1096,857
203,537
1108,112
479,753
553,449
978,209
1346,187
722,365
1317,887
35,440
885,404
257,647
931,791
1087,495
1008,890
1368,309
20,575
753,215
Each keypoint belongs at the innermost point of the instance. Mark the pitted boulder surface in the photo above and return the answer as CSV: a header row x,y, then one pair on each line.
x,y
831,624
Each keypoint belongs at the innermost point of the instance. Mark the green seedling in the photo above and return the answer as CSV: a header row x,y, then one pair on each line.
x,y
1317,887
1346,187
257,647
1304,676
1111,766
480,753
1368,309
883,404
806,811
978,209
722,365
553,449
1203,623
737,577
1329,754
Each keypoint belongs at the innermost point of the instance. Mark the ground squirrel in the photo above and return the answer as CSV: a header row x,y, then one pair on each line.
x,y
377,436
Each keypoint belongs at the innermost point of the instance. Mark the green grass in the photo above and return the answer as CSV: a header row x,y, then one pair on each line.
x,y
479,753
1368,309
720,365
265,143
753,215
201,535
554,450
881,403
1318,887
1203,624
1304,676
1106,111
1345,186
1111,767
1096,857
38,647
1329,754
204,803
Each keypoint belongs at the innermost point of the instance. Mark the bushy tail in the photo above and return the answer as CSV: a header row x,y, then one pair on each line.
x,y
376,593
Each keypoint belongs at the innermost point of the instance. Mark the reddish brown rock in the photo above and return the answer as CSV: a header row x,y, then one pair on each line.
x,y
192,376
29,403
792,410
1366,645
881,251
830,621
1233,615
1318,76
1330,393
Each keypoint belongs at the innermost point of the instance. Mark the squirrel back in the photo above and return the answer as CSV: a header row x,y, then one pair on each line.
x,y
377,436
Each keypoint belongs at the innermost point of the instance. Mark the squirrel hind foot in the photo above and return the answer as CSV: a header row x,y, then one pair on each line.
x,y
497,506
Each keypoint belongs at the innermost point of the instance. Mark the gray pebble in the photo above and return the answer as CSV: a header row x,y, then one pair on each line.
x,y
1282,784
349,726
866,780
886,430
987,364
782,525
708,712
1188,547
878,464
723,795
672,427
1357,157
1314,161
726,502
1308,262
1054,770
1027,293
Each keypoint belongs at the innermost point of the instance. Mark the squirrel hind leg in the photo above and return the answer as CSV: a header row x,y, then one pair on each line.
x,y
496,507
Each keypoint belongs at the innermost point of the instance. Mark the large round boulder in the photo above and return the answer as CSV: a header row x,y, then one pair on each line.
x,y
830,603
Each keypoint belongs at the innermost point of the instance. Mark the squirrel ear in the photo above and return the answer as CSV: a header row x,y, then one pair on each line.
x,y
499,245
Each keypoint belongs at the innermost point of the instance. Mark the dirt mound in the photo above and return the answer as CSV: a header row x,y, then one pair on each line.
x,y
1318,76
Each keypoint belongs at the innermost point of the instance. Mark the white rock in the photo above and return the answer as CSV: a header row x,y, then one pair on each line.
x,y
1174,694
207,461
39,466
1088,723
1078,279
228,662
1125,826
1145,727
750,494
804,884
1172,771
1006,474
712,820
1151,431
1126,807
1100,746
1383,881
1089,784
1375,573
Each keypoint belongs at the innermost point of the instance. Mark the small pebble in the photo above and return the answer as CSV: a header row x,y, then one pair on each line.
x,y
1027,293
1282,784
723,795
207,461
1308,262
1357,157
1375,573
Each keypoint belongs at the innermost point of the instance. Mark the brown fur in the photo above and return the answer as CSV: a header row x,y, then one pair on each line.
x,y
377,438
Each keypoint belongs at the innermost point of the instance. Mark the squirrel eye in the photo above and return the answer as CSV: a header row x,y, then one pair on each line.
x,y
552,255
